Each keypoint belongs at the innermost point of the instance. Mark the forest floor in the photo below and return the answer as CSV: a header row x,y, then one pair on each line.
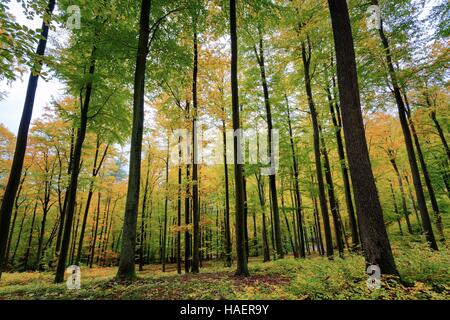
x,y
425,275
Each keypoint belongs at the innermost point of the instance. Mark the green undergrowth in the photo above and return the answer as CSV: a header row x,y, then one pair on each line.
x,y
425,275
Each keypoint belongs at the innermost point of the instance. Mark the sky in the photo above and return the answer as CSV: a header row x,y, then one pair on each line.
x,y
11,107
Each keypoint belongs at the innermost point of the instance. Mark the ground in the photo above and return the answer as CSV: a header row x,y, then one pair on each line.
x,y
424,275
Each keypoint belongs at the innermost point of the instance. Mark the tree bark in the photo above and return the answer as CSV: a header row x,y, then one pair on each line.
x,y
21,141
73,184
127,253
375,241
242,269
306,58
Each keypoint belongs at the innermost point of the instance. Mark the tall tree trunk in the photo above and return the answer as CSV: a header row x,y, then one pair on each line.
x,y
306,58
63,204
242,269
345,178
73,184
94,234
19,235
179,209
30,238
375,242
440,132
423,165
143,213
166,200
413,201
187,236
403,196
262,201
426,223
298,205
228,249
195,268
396,209
332,198
95,171
259,53
16,210
21,141
127,253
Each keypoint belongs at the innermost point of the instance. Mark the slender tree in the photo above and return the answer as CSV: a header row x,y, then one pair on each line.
x,y
22,137
242,269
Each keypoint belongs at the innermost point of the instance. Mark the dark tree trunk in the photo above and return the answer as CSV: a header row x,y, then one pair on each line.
x,y
298,205
423,165
346,180
440,132
375,241
21,141
166,200
413,201
127,253
73,184
94,234
30,239
242,269
403,196
228,248
396,209
195,268
262,201
179,209
332,198
63,205
306,58
95,171
187,236
19,235
16,210
259,53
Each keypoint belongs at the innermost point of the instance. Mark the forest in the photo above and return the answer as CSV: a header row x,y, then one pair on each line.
x,y
223,149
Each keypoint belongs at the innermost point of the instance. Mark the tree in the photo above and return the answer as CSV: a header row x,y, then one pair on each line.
x,y
127,266
22,135
374,237
426,223
242,269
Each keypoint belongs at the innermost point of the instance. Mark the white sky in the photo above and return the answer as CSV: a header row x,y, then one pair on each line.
x,y
11,107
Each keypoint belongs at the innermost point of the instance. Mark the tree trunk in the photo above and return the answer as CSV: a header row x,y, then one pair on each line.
x,y
272,177
195,268
375,242
306,58
21,141
403,196
242,269
127,253
166,199
228,248
346,180
95,171
179,209
73,185
298,205
332,198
